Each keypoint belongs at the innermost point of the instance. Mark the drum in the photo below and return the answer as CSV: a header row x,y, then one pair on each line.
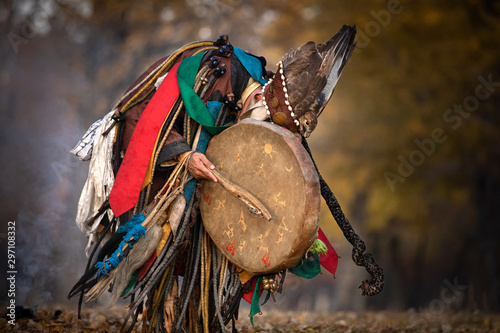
x,y
270,163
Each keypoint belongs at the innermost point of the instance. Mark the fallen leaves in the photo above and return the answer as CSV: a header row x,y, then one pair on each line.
x,y
65,320
100,319
382,321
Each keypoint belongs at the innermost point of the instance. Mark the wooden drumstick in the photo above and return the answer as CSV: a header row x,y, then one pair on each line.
x,y
255,205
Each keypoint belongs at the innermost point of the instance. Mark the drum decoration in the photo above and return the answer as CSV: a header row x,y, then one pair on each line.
x,y
269,162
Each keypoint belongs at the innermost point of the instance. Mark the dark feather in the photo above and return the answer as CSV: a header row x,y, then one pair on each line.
x,y
87,280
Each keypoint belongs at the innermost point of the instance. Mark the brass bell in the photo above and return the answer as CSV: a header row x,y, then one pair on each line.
x,y
273,285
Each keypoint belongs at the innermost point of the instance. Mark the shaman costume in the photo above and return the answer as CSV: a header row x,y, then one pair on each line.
x,y
187,251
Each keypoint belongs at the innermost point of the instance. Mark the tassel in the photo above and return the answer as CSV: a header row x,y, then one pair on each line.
x,y
318,247
134,220
134,231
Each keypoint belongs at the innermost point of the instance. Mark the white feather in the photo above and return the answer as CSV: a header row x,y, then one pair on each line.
x,y
136,258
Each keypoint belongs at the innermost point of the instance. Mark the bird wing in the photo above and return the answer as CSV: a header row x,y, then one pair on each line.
x,y
312,71
300,67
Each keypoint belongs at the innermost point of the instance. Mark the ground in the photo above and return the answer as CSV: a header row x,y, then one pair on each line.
x,y
62,319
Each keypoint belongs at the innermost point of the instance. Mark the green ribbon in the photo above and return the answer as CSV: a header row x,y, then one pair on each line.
x,y
306,268
255,307
133,281
196,109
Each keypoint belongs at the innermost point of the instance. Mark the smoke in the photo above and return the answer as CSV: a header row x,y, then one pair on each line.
x,y
41,181
49,244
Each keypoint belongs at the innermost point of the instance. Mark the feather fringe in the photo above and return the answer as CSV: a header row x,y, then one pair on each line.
x,y
136,258
87,280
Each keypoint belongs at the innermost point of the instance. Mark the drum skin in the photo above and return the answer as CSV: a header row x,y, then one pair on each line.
x,y
270,163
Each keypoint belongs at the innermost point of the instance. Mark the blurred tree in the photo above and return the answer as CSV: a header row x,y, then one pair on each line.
x,y
435,218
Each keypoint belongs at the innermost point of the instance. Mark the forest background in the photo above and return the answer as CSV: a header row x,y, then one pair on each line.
x,y
409,143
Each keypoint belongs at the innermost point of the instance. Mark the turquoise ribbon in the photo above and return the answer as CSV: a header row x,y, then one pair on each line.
x,y
251,64
134,230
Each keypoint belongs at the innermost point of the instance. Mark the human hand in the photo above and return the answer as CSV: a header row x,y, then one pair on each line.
x,y
199,167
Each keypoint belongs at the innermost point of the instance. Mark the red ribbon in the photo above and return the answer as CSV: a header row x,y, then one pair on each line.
x,y
249,294
146,266
130,177
329,260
